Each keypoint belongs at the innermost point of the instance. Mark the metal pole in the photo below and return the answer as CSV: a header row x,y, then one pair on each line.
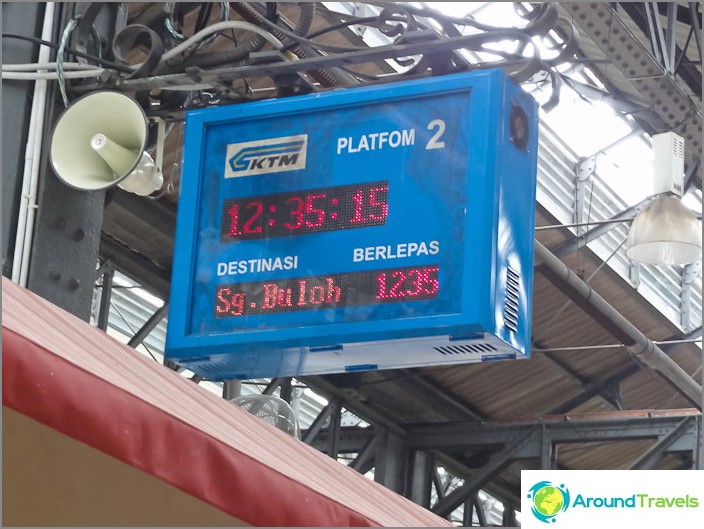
x,y
697,28
105,296
231,389
149,326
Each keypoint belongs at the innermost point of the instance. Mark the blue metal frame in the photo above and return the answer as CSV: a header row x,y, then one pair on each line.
x,y
473,192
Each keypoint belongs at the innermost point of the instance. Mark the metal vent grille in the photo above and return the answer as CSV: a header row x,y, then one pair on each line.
x,y
511,308
479,347
678,147
215,368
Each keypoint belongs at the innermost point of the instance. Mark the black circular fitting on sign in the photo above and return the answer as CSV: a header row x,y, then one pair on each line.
x,y
519,128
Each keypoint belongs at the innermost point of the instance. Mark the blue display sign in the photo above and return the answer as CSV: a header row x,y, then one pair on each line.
x,y
367,228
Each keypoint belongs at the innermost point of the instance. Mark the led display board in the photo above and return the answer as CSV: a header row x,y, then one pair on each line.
x,y
368,228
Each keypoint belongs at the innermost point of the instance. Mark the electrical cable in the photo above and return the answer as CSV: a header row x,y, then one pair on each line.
x,y
169,24
340,25
460,21
77,53
206,9
33,67
234,24
51,76
305,41
279,34
326,76
200,23
239,52
610,346
537,23
60,57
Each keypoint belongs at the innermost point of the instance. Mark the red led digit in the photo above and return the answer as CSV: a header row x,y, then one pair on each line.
x,y
431,285
416,277
317,213
234,213
381,282
370,204
395,290
296,213
258,210
358,199
378,203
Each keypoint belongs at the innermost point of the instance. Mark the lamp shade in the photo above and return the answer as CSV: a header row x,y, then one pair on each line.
x,y
665,232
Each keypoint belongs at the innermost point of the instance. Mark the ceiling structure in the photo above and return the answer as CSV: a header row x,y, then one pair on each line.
x,y
594,394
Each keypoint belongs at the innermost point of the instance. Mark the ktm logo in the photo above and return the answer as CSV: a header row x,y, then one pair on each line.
x,y
266,156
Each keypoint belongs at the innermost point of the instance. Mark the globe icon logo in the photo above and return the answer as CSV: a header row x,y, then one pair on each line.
x,y
548,500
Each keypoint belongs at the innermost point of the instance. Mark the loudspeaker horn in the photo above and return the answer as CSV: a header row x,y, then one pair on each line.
x,y
99,142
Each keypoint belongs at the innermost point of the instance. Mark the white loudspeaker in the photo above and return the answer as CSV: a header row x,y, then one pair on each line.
x,y
99,142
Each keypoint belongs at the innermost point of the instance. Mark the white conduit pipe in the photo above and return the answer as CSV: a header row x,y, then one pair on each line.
x,y
51,76
30,176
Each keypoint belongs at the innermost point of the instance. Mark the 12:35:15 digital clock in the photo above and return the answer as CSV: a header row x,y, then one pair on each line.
x,y
310,211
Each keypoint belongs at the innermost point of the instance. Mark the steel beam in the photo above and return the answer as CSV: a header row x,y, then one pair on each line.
x,y
651,457
617,426
422,469
670,37
449,403
391,462
311,434
696,26
653,36
496,464
64,250
509,516
669,100
149,326
272,385
468,512
365,457
698,463
366,410
439,484
108,273
285,390
479,507
583,172
333,447
547,449
583,381
687,70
